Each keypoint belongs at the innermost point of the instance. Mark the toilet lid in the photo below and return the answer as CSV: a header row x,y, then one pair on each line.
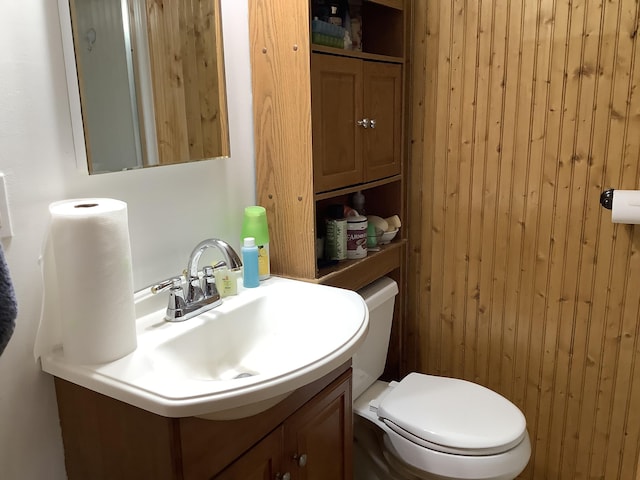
x,y
452,415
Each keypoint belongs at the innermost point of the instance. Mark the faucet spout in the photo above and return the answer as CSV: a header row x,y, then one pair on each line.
x,y
231,258
198,296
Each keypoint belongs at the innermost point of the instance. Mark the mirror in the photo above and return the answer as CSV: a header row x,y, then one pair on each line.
x,y
150,75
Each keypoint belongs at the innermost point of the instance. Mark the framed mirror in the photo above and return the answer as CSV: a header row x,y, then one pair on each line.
x,y
148,79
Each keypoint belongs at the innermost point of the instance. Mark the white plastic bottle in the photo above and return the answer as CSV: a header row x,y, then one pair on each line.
x,y
250,277
255,225
358,202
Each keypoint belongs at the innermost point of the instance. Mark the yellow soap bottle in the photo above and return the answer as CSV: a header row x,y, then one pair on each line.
x,y
226,281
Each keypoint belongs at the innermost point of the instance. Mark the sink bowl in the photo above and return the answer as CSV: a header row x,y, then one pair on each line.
x,y
233,361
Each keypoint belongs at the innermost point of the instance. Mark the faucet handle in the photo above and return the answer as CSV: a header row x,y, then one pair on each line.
x,y
209,283
170,283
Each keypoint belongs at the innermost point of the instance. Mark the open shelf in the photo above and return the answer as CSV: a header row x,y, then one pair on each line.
x,y
356,188
379,30
355,274
355,54
396,4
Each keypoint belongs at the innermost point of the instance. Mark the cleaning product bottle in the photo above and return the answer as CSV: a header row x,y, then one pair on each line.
x,y
358,202
335,246
250,263
254,225
356,236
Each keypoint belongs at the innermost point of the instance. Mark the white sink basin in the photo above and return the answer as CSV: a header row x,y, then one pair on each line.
x,y
235,360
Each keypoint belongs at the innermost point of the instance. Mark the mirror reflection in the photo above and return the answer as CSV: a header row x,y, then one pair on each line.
x,y
151,80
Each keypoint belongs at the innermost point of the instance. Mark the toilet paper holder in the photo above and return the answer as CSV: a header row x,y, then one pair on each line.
x,y
606,199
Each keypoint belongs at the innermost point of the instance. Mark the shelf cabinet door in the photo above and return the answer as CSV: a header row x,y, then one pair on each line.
x,y
322,432
345,91
336,98
262,462
382,105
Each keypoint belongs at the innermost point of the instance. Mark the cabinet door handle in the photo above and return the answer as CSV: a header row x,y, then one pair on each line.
x,y
301,460
283,476
364,123
372,123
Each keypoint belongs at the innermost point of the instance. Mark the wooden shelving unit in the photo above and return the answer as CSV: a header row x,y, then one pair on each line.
x,y
281,52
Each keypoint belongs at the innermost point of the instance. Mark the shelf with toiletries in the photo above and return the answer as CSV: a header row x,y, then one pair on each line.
x,y
380,203
358,27
323,144
286,141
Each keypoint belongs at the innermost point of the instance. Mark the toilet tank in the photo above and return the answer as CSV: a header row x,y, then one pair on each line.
x,y
370,358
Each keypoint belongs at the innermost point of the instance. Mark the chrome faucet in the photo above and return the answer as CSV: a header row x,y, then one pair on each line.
x,y
200,292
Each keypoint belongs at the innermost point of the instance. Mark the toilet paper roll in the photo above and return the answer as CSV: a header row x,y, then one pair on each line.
x,y
626,206
94,279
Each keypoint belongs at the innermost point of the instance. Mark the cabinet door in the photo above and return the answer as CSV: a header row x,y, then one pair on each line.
x,y
319,436
262,462
382,105
336,106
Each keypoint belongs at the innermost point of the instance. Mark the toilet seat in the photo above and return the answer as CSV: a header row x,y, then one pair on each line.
x,y
454,459
501,466
451,415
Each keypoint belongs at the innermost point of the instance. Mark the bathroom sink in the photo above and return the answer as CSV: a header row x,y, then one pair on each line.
x,y
233,361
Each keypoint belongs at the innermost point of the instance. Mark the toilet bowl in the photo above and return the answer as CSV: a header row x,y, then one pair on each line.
x,y
425,426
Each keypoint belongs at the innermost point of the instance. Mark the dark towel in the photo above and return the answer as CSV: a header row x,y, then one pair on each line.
x,y
8,304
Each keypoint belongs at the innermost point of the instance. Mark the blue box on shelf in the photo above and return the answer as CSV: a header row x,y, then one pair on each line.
x,y
326,28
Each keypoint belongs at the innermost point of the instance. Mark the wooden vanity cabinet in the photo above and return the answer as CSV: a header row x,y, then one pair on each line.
x,y
319,437
315,443
262,462
356,119
105,438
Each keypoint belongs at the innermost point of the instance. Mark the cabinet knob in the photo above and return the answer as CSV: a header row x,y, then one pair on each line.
x,y
372,123
301,460
364,123
283,476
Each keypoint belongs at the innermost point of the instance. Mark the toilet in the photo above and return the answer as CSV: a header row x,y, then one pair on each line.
x,y
425,426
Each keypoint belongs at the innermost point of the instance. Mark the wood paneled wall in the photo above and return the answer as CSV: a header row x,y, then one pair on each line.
x,y
185,46
523,113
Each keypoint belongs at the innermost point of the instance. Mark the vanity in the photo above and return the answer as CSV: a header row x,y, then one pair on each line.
x,y
257,387
307,435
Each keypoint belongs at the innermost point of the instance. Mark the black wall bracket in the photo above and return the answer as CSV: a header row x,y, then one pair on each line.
x,y
606,199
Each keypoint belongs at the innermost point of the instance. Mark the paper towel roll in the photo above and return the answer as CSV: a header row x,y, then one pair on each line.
x,y
626,206
92,252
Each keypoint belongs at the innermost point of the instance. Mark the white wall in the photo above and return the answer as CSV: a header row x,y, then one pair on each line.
x,y
107,85
170,208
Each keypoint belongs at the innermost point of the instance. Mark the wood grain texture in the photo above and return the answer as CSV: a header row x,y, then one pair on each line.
x,y
382,145
355,274
205,444
280,69
418,75
337,104
185,47
106,439
522,283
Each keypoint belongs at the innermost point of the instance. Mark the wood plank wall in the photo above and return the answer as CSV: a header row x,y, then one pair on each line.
x,y
524,112
185,46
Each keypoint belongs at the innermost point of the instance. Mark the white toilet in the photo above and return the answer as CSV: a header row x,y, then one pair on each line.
x,y
427,427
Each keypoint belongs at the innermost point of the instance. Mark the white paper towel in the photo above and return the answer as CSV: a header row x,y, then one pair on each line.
x,y
626,206
89,306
